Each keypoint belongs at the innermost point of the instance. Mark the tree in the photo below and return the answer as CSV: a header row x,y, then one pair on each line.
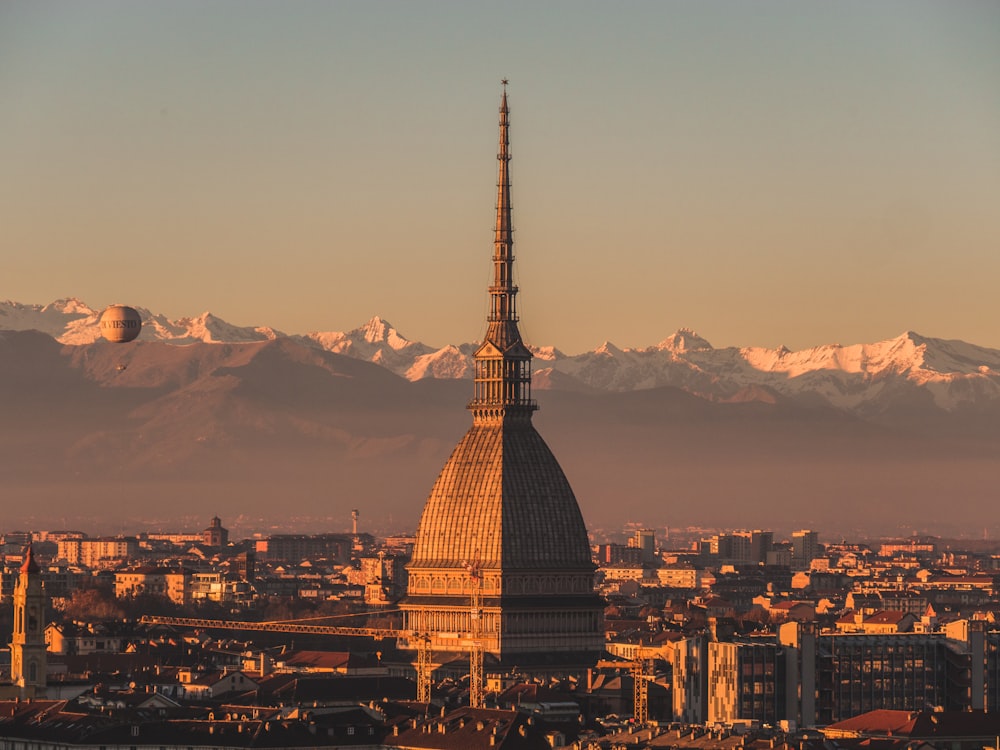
x,y
93,604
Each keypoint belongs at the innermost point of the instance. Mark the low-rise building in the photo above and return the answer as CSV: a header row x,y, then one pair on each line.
x,y
880,621
171,583
678,577
105,552
79,638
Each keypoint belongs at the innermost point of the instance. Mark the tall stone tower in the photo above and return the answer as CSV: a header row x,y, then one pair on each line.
x,y
28,655
501,534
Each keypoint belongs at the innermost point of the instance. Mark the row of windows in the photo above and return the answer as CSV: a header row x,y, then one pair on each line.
x,y
513,623
460,585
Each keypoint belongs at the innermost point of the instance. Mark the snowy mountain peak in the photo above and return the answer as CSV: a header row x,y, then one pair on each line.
x,y
912,337
52,319
379,331
69,306
449,362
376,330
684,340
547,353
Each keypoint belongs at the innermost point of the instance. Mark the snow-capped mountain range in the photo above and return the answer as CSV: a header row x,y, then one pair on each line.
x,y
859,377
73,322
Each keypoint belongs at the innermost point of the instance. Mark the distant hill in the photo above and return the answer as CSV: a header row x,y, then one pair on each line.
x,y
296,431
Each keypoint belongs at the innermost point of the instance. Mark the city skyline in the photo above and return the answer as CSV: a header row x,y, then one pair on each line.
x,y
767,174
791,175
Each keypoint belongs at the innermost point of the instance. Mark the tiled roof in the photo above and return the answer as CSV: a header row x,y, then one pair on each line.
x,y
49,722
325,689
887,617
922,724
882,721
319,659
470,729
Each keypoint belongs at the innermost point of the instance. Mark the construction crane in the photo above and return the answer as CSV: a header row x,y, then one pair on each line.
x,y
424,668
640,690
477,692
641,668
422,641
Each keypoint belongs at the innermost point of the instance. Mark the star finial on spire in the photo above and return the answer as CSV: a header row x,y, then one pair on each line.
x,y
505,82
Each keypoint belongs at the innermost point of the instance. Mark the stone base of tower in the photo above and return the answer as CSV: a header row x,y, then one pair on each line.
x,y
555,634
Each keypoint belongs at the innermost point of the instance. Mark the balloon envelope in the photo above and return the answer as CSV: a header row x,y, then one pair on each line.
x,y
120,324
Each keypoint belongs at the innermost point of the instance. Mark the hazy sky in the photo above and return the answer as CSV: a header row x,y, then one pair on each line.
x,y
764,172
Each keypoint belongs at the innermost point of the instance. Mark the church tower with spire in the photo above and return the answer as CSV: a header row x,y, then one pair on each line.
x,y
502,556
28,653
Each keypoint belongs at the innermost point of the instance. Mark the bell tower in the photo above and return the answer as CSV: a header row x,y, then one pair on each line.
x,y
28,653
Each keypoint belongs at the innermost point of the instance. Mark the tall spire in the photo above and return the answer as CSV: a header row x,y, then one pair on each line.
x,y
504,235
503,362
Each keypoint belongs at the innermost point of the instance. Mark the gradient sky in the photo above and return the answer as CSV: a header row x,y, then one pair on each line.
x,y
766,173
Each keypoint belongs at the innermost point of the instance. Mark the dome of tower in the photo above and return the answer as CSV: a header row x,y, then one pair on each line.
x,y
503,501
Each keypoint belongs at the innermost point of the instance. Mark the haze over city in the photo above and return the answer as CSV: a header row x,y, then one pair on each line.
x,y
767,173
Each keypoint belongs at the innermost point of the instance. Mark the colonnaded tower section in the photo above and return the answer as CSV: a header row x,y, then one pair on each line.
x,y
502,560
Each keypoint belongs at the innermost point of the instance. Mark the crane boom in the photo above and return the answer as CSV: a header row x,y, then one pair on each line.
x,y
424,668
276,627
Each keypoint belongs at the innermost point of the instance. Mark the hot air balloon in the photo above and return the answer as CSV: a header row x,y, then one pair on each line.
x,y
120,324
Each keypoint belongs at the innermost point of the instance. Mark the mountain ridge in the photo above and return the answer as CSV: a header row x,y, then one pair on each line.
x,y
856,377
285,431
